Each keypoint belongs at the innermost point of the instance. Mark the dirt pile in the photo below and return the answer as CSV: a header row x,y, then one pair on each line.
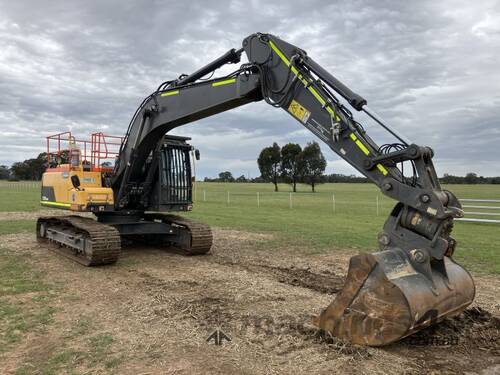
x,y
473,329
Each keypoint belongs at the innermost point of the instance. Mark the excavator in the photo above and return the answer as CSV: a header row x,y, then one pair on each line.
x,y
410,283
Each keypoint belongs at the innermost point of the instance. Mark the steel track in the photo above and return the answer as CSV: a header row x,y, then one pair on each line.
x,y
103,241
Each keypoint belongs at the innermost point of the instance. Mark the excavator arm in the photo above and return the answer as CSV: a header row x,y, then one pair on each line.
x,y
413,281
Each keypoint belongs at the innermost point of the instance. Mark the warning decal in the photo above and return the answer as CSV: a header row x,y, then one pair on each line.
x,y
298,111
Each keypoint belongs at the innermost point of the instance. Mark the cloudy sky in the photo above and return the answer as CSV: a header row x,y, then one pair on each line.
x,y
430,68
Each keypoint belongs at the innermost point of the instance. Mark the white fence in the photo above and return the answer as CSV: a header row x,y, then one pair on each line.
x,y
476,210
20,185
320,200
489,210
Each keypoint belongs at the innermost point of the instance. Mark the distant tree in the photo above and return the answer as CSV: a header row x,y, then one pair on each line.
x,y
4,172
450,179
471,178
226,177
30,169
334,177
19,170
269,162
258,180
312,164
242,178
290,163
37,166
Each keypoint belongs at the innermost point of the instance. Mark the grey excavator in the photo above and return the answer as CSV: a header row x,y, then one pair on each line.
x,y
410,283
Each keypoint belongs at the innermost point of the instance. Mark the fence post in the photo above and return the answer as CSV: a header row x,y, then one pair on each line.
x,y
291,203
204,195
333,203
228,201
258,199
376,199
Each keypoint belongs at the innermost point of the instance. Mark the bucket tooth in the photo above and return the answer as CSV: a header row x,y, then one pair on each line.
x,y
385,299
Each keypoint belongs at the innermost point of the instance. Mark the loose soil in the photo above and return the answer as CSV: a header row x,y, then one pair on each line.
x,y
161,307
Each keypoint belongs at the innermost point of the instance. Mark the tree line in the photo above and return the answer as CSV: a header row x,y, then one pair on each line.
x,y
289,164
29,169
32,169
227,176
469,178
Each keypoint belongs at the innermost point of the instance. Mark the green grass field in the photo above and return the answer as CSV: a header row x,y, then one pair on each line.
x,y
19,196
336,216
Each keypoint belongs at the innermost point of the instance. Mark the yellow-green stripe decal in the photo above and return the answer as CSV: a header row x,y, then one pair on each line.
x,y
360,144
55,204
363,148
170,93
382,169
310,88
322,101
225,82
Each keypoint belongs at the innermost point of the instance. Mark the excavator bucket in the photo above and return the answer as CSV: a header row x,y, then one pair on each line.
x,y
385,299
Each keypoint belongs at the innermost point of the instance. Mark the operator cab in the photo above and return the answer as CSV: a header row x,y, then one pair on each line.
x,y
173,190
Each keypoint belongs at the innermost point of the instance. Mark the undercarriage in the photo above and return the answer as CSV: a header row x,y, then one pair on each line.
x,y
98,242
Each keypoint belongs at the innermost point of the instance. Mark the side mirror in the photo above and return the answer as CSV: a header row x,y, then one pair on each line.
x,y
197,154
75,181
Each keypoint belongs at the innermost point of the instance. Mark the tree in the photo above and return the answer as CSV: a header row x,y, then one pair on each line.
x,y
471,178
269,164
19,170
30,169
257,180
450,179
4,172
242,178
290,163
312,164
335,178
226,177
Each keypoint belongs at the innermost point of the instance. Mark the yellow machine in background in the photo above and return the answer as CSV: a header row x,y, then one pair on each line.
x,y
59,192
77,183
